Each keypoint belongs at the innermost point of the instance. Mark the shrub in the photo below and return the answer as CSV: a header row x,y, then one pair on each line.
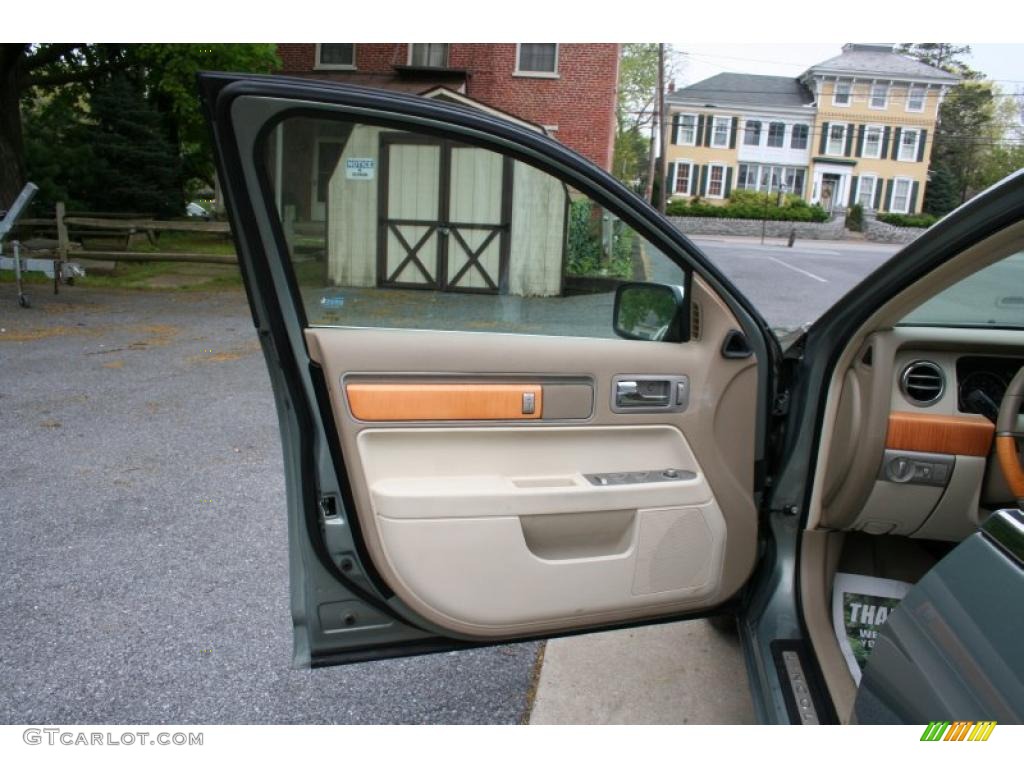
x,y
855,218
919,220
747,204
585,257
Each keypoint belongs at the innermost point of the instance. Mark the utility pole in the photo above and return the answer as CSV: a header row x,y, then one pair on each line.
x,y
652,153
662,123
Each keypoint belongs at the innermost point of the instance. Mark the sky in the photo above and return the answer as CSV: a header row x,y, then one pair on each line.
x,y
1002,62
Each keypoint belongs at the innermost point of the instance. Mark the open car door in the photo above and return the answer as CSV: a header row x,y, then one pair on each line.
x,y
514,400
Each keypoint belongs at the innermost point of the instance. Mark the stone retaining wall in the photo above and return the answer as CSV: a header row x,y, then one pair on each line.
x,y
805,230
880,232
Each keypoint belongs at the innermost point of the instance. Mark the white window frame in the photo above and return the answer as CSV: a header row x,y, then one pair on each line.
x,y
517,72
760,132
842,141
677,138
768,133
835,94
910,95
711,168
917,145
755,166
447,57
807,136
881,139
860,190
715,119
318,65
675,178
885,96
895,186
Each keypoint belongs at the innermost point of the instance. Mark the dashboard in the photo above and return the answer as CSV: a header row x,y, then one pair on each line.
x,y
911,450
982,382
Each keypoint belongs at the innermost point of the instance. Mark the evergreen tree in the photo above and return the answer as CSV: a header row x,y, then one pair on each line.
x,y
941,195
137,167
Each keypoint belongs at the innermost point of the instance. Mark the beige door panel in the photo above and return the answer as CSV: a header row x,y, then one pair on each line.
x,y
489,528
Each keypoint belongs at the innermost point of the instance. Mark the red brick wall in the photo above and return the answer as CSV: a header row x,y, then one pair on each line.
x,y
580,101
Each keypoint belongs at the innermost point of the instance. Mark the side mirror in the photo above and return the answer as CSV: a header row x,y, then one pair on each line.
x,y
649,312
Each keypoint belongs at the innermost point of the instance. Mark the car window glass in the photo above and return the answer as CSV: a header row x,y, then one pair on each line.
x,y
993,297
389,228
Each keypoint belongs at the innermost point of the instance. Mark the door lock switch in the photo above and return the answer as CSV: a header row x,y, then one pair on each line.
x,y
634,478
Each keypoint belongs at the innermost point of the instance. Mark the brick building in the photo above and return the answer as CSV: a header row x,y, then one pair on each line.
x,y
567,89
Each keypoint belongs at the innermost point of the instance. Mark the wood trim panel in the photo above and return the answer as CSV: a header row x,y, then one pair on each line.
x,y
442,402
966,435
1009,462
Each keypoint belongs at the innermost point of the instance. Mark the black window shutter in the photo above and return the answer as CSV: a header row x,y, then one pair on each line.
x,y
709,129
888,195
853,190
897,134
732,133
728,171
860,141
703,180
824,138
878,194
675,128
700,131
913,197
921,141
885,142
849,140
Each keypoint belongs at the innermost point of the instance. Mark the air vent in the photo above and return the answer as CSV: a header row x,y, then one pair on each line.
x,y
922,382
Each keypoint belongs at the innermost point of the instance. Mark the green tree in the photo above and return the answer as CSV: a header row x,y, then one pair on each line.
x,y
967,131
1000,163
948,57
975,120
33,73
634,113
137,168
941,194
35,70
629,163
169,71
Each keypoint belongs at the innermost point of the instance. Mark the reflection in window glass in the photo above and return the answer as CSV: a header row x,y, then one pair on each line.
x,y
387,228
993,296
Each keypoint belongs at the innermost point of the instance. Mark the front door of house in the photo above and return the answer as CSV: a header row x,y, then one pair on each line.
x,y
445,213
828,191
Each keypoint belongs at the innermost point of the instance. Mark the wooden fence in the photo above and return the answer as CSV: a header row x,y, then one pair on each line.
x,y
105,225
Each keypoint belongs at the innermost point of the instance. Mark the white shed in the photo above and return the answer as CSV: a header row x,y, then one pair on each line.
x,y
407,210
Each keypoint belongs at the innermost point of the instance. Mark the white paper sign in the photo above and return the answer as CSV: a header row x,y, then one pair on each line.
x,y
860,606
360,168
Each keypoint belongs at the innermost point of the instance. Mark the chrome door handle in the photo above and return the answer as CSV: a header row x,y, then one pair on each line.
x,y
649,393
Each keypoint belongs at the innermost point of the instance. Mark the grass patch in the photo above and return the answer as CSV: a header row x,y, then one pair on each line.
x,y
166,242
151,275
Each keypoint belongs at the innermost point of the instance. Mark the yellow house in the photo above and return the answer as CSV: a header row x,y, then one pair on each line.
x,y
875,119
857,128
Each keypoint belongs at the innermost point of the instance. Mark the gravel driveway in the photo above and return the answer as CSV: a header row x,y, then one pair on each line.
x,y
143,554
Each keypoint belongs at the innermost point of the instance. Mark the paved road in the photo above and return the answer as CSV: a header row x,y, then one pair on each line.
x,y
793,286
143,554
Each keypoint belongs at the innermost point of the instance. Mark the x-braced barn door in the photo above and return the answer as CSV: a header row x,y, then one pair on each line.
x,y
445,218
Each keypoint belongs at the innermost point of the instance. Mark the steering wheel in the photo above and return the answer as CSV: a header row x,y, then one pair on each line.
x,y
1008,431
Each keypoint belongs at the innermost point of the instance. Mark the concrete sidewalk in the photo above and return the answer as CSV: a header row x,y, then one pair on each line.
x,y
684,672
